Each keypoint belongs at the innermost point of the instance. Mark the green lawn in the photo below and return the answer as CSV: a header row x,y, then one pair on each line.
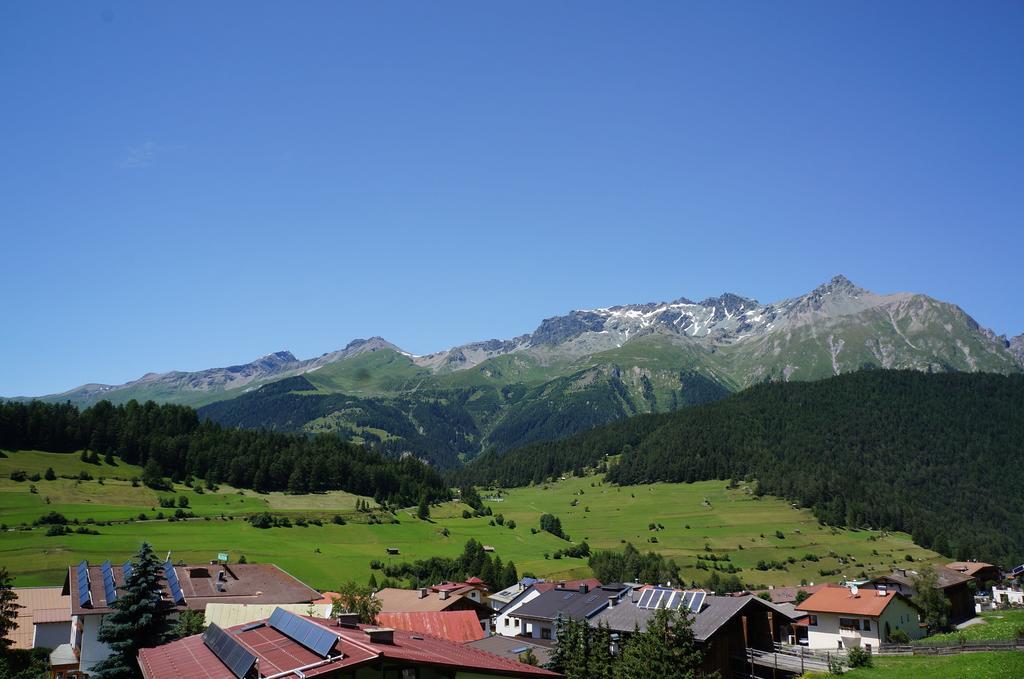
x,y
729,521
1001,665
997,625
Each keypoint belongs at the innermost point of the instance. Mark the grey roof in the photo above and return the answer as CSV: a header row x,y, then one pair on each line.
x,y
570,603
946,577
717,610
511,647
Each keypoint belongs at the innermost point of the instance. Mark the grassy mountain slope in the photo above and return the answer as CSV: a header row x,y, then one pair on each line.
x,y
936,455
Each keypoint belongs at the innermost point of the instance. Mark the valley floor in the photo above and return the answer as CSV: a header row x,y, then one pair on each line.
x,y
690,520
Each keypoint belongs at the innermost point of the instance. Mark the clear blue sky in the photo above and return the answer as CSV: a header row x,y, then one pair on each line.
x,y
189,185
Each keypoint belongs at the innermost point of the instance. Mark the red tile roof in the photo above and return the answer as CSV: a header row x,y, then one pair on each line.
x,y
837,599
276,653
457,626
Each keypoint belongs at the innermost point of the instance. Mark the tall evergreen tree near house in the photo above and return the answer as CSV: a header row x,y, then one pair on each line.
x,y
666,649
141,618
8,609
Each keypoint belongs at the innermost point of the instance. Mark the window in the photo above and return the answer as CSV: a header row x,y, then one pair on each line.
x,y
867,625
812,620
849,623
545,632
506,622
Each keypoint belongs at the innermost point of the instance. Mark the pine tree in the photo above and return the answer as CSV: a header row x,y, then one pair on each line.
x,y
423,511
8,609
666,649
141,618
50,474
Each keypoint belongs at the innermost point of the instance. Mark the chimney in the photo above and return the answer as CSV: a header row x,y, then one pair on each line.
x,y
584,588
380,635
612,600
561,584
423,593
348,620
443,594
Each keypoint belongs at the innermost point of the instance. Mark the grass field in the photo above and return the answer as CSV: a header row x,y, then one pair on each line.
x,y
997,625
694,517
1000,665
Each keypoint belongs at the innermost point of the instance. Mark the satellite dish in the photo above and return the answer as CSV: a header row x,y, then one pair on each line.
x,y
854,590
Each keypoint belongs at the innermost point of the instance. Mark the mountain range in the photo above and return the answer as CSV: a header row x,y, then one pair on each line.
x,y
579,370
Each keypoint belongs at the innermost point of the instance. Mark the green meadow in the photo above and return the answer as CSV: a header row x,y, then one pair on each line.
x,y
995,665
690,520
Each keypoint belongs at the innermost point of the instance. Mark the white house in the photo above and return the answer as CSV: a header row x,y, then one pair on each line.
x,y
1008,595
841,618
508,624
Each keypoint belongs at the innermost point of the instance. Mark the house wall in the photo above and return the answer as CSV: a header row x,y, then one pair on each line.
x,y
1007,595
92,650
961,600
507,624
826,635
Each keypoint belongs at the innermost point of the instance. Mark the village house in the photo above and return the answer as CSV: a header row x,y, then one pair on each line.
x,y
288,645
499,600
473,588
507,622
957,587
539,618
188,587
395,600
723,626
43,619
513,647
842,618
1009,595
983,573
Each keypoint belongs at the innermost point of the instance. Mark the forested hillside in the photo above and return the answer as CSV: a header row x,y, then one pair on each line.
x,y
936,455
170,440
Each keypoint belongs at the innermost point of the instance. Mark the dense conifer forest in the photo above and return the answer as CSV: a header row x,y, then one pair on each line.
x,y
936,455
170,440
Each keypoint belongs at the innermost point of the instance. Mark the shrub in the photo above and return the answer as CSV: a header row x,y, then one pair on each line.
x,y
56,529
19,476
898,636
337,519
859,657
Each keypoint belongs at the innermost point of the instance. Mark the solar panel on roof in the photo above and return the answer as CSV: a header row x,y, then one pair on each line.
x,y
698,601
109,590
126,570
234,656
314,637
645,599
84,597
521,649
173,584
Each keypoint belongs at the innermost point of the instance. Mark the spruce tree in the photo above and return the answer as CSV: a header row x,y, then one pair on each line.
x,y
423,511
666,649
8,609
141,618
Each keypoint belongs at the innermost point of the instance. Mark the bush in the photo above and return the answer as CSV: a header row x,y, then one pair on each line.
x,y
338,520
859,657
19,476
898,636
51,518
56,529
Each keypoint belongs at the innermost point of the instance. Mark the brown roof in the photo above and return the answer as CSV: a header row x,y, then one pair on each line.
x,y
253,583
39,605
838,599
969,567
457,626
786,595
277,653
397,600
945,577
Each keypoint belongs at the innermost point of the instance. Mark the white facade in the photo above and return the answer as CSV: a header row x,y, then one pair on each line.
x,y
507,624
1007,595
835,631
84,629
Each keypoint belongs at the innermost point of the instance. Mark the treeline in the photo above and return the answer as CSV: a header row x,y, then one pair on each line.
x,y
540,462
473,562
936,455
171,440
434,428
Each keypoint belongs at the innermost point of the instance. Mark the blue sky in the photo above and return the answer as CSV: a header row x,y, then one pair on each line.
x,y
189,185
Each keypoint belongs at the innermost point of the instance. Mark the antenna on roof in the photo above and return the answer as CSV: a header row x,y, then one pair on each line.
x,y
854,590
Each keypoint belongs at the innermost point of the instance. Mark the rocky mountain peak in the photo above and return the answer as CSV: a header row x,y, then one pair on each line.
x,y
840,285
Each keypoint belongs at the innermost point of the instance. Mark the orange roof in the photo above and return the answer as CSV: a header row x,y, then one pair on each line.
x,y
457,626
837,599
327,598
409,600
45,603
